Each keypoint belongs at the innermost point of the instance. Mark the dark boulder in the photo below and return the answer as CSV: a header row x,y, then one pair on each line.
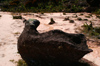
x,y
54,47
51,21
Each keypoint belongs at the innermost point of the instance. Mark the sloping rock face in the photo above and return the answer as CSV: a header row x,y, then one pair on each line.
x,y
57,48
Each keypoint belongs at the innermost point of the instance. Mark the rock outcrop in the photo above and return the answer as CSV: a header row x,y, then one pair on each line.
x,y
54,47
51,21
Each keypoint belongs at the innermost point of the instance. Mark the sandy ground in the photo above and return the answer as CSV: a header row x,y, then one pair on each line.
x,y
11,28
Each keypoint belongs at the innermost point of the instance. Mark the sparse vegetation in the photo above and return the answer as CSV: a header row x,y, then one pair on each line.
x,y
16,33
52,21
97,11
42,13
79,18
17,17
91,31
85,19
48,6
87,16
0,16
75,16
81,14
76,8
14,3
34,6
64,13
21,63
12,60
90,15
98,16
65,19
71,21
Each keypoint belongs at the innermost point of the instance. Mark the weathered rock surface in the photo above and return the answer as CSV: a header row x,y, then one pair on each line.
x,y
50,48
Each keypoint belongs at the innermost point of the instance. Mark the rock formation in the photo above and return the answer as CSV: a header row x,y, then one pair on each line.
x,y
51,21
54,47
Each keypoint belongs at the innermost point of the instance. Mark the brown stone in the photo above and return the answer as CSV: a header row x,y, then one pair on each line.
x,y
54,47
